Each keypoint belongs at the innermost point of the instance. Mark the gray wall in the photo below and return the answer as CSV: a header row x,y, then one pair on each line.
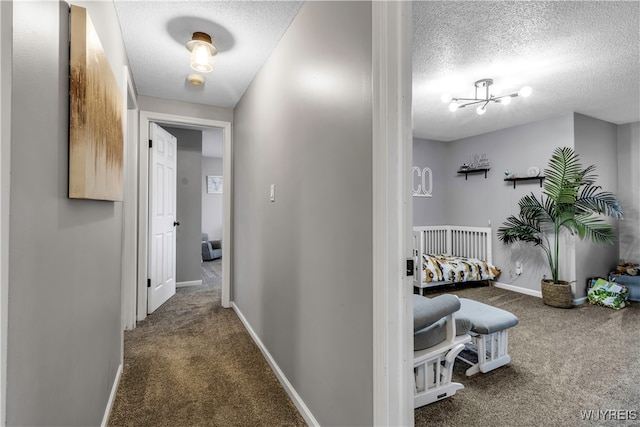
x,y
302,264
189,204
432,154
64,333
479,202
596,143
211,203
629,190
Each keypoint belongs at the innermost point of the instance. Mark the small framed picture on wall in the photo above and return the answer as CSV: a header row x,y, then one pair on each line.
x,y
214,184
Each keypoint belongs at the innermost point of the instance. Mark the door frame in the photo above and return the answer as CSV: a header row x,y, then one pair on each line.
x,y
6,46
143,200
392,213
130,206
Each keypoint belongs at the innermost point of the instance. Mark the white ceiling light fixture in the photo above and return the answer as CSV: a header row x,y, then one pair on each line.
x,y
202,52
195,79
484,84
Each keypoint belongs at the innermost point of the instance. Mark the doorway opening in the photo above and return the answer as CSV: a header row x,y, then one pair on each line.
x,y
146,118
196,222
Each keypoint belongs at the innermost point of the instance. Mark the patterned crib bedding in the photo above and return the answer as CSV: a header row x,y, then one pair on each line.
x,y
441,268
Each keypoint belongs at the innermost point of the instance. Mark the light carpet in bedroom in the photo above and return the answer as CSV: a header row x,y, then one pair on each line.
x,y
192,363
564,361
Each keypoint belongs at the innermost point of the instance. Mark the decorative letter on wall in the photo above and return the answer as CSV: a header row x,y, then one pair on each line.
x,y
96,117
425,182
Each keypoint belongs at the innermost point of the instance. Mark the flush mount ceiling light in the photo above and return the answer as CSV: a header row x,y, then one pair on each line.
x,y
195,79
202,52
484,84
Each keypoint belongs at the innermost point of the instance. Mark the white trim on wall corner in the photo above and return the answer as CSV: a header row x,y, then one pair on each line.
x,y
291,391
112,397
533,293
6,21
392,214
130,206
517,289
190,283
579,301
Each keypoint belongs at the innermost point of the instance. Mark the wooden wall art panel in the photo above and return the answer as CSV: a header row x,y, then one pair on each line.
x,y
96,116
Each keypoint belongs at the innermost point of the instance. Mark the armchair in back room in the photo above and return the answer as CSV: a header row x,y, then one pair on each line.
x,y
211,249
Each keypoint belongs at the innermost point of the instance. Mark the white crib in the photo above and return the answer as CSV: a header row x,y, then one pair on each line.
x,y
450,240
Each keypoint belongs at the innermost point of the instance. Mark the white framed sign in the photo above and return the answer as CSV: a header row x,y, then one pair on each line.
x,y
214,184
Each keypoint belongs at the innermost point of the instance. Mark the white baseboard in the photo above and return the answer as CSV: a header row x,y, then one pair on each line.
x,y
293,394
518,289
112,397
531,292
579,301
191,283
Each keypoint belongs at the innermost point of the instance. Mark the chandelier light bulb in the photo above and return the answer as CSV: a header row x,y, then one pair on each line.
x,y
446,98
484,95
525,91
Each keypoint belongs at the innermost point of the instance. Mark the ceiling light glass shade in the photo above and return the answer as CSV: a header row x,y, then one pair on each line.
x,y
202,52
453,106
525,91
481,110
201,59
506,100
446,98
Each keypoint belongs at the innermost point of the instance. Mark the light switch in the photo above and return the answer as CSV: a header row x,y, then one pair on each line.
x,y
272,195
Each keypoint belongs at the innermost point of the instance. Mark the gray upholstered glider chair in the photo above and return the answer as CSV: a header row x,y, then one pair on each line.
x,y
438,339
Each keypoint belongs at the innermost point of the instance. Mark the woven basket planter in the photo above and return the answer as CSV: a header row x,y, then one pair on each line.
x,y
557,294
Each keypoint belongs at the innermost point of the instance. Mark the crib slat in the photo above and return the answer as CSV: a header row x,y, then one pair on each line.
x,y
472,242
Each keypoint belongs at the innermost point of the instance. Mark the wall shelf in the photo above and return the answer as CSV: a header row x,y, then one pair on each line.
x,y
466,172
525,178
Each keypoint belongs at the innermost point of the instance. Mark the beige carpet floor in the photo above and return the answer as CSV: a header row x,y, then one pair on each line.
x,y
564,361
192,363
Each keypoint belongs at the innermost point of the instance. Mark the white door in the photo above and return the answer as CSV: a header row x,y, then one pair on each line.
x,y
162,217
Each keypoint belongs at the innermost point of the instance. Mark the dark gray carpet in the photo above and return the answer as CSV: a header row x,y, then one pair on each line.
x,y
564,361
192,363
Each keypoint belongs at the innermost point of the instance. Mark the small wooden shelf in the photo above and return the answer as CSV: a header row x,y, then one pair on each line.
x,y
525,178
466,172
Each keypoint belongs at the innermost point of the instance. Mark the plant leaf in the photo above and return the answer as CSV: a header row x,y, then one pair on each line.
x,y
601,202
519,229
591,227
563,176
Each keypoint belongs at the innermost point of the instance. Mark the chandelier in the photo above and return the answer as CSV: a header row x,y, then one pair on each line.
x,y
483,85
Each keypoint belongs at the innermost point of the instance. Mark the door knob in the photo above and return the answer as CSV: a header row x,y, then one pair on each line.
x,y
176,223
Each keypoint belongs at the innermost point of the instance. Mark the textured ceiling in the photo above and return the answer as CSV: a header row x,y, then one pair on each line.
x,y
156,32
577,56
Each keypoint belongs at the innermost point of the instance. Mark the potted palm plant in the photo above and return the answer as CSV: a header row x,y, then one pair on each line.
x,y
572,202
